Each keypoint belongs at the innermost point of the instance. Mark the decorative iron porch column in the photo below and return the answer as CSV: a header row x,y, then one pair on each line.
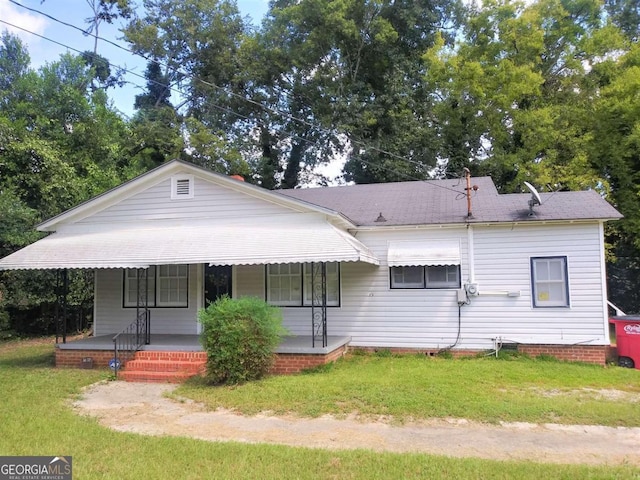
x,y
62,290
142,307
318,303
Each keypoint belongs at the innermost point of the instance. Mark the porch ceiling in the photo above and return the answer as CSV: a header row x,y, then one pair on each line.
x,y
276,239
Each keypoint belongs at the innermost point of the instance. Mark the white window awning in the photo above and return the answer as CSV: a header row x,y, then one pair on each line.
x,y
276,239
406,254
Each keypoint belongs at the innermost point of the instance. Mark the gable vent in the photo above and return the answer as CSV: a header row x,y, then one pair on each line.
x,y
182,186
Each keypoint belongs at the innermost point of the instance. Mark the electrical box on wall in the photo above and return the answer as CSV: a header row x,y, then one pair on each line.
x,y
462,295
472,289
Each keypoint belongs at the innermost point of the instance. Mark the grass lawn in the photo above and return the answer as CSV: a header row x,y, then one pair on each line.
x,y
36,420
514,389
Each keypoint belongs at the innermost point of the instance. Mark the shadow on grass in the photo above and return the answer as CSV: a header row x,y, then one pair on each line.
x,y
36,359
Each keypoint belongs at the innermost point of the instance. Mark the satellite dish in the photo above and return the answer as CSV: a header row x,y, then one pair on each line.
x,y
535,197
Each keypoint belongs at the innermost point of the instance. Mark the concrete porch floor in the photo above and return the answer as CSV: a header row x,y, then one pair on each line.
x,y
300,344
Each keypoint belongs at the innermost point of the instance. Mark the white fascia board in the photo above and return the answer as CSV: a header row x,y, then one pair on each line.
x,y
442,226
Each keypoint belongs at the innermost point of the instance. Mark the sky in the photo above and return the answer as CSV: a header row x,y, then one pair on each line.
x,y
75,12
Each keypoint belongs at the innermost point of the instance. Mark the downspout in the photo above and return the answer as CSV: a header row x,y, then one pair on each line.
x,y
467,174
471,254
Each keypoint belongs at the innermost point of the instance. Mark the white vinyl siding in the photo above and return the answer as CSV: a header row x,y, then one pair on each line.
x,y
210,201
111,316
374,315
549,282
503,263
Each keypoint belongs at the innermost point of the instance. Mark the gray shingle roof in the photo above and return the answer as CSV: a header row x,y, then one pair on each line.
x,y
444,202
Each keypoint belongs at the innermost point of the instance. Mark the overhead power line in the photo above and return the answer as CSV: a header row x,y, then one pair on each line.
x,y
226,109
192,77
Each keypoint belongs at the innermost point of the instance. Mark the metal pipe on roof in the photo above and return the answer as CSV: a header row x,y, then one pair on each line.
x,y
467,174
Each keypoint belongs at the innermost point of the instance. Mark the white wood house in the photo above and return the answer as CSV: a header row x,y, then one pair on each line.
x,y
404,264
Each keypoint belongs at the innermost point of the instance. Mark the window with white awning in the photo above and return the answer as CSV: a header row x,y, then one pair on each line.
x,y
423,253
424,264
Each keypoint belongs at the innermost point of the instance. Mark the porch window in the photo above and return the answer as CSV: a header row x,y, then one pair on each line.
x,y
284,286
173,285
131,287
333,284
289,285
428,276
168,286
549,281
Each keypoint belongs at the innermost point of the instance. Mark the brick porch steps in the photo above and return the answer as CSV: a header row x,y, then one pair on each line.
x,y
163,367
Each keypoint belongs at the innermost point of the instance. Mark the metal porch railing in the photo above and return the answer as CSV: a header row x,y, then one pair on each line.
x,y
132,338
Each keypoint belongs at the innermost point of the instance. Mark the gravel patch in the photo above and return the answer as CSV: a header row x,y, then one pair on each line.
x,y
143,408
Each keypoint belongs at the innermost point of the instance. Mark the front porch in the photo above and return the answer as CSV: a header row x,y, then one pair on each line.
x,y
159,361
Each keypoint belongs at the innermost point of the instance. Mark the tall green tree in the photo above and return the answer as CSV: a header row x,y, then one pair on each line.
x,y
515,97
193,46
626,15
616,153
60,143
357,64
156,126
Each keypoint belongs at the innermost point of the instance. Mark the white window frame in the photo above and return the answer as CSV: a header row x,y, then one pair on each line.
x,y
280,277
452,272
399,274
538,290
178,283
177,187
284,284
333,284
174,279
130,288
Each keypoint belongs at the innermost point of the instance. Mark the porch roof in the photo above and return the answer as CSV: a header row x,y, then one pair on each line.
x,y
290,238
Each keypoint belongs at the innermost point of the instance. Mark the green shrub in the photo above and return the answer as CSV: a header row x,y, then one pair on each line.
x,y
6,332
239,336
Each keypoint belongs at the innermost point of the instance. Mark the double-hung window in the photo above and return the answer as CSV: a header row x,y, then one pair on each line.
x,y
284,284
131,287
549,281
428,276
290,285
167,286
172,285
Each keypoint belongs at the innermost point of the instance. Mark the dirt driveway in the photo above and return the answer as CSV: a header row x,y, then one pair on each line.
x,y
143,408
